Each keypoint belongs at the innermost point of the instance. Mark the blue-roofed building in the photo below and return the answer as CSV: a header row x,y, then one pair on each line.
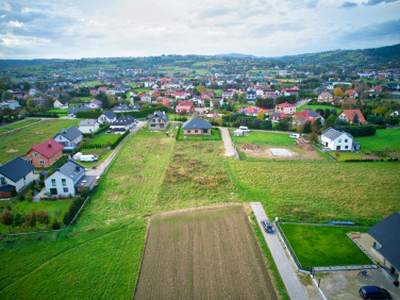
x,y
196,126
15,174
69,138
158,121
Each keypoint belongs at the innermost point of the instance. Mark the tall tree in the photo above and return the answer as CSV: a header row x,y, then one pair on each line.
x,y
261,115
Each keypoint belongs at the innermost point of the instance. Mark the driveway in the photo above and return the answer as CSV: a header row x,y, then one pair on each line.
x,y
302,102
289,276
226,138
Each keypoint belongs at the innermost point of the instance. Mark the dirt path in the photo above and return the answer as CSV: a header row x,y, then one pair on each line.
x,y
226,138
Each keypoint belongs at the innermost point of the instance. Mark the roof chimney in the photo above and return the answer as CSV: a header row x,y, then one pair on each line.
x,y
49,145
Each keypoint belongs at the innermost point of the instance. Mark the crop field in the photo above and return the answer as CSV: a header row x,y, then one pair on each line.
x,y
265,138
17,143
317,246
205,254
9,127
385,142
319,192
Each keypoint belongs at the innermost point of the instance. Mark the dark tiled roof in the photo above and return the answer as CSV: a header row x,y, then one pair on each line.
x,y
196,123
70,134
160,115
387,233
72,169
77,108
109,114
332,134
124,120
16,169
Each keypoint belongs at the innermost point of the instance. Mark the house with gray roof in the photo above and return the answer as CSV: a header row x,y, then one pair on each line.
x,y
63,182
125,108
73,111
158,121
123,123
70,137
386,243
15,175
107,117
88,126
196,126
337,140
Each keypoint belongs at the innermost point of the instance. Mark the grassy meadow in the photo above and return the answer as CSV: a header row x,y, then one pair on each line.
x,y
264,138
103,139
18,142
16,125
315,107
318,246
386,142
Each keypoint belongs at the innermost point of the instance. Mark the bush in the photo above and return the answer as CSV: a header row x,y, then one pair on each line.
x,y
73,210
56,225
358,131
115,144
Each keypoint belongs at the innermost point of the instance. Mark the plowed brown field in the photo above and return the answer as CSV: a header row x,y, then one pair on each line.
x,y
203,254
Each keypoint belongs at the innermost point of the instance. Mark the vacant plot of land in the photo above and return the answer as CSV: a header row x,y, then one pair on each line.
x,y
264,138
386,142
17,125
207,254
17,143
317,246
103,140
318,191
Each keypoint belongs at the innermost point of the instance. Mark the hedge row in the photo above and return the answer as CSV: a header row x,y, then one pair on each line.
x,y
89,114
44,115
144,113
358,131
73,209
103,127
363,160
115,144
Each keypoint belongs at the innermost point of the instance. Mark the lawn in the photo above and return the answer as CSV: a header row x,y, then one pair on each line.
x,y
343,156
385,142
16,125
264,138
104,140
315,107
52,207
215,135
317,246
58,111
318,192
185,267
17,143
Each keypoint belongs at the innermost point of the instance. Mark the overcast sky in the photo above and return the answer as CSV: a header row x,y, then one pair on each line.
x,y
98,28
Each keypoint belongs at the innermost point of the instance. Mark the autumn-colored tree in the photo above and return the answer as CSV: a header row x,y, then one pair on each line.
x,y
338,92
43,217
313,137
31,218
261,115
6,217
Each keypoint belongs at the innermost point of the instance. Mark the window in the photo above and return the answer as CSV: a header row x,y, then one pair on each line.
x,y
154,120
152,125
205,130
188,131
2,180
35,154
346,147
340,140
345,140
64,182
41,161
195,131
65,190
53,182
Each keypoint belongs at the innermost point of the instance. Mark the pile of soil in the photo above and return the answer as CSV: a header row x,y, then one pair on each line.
x,y
248,146
307,147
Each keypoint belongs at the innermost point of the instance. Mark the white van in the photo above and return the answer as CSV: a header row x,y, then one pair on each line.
x,y
244,129
86,158
295,135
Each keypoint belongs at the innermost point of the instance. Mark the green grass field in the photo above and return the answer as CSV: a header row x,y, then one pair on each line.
x,y
264,138
13,126
104,139
317,246
343,156
17,143
385,140
315,107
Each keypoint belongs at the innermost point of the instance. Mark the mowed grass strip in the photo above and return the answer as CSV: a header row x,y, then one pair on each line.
x,y
317,246
264,138
203,254
17,125
17,143
319,192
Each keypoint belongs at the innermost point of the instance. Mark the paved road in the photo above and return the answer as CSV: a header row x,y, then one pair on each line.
x,y
289,276
301,102
229,149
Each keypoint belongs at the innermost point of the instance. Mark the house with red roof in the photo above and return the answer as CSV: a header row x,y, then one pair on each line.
x,y
291,91
348,115
352,93
286,108
102,89
252,110
44,154
306,115
188,106
277,116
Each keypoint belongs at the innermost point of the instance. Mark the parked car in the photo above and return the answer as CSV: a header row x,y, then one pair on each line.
x,y
295,135
267,226
244,129
374,292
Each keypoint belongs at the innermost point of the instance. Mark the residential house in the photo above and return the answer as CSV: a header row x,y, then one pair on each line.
x,y
73,111
292,91
352,93
348,115
95,104
170,93
306,115
123,123
196,126
107,117
338,141
182,94
88,126
11,104
286,108
198,101
70,138
325,97
228,95
145,98
375,91
123,108
14,176
385,244
33,91
45,154
165,101
62,183
252,110
188,106
60,103
395,113
251,95
158,121
277,116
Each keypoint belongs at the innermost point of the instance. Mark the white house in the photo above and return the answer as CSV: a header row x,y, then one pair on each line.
x,y
60,103
95,104
15,174
70,137
88,126
123,123
336,140
63,181
146,98
107,117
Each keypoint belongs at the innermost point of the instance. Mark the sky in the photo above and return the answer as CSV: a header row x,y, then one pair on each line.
x,y
120,28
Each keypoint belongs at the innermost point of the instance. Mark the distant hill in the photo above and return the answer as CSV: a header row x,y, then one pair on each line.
x,y
236,55
375,55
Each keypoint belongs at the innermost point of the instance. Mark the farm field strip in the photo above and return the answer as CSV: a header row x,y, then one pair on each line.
x,y
207,254
17,125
